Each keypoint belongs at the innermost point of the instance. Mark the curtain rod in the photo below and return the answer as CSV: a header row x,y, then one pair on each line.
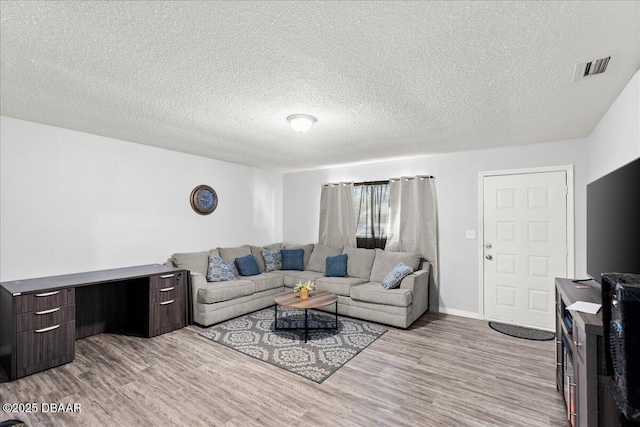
x,y
359,184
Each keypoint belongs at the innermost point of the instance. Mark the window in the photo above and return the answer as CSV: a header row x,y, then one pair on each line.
x,y
371,200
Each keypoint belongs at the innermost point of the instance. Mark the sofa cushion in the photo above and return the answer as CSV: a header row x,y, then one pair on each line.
x,y
318,260
196,262
308,249
336,266
224,291
385,261
266,281
292,277
374,293
292,259
360,261
230,254
338,285
399,272
219,270
273,246
247,265
272,259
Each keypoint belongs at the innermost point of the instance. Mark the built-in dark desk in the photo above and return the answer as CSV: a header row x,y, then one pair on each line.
x,y
40,319
580,374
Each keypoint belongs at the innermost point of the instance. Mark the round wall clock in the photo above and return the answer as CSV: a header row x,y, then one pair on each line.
x,y
204,199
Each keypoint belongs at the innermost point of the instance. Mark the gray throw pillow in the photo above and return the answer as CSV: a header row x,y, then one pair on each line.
x,y
272,259
219,270
318,260
360,261
385,261
396,275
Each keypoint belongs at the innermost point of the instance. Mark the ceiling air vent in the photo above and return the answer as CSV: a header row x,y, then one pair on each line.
x,y
591,68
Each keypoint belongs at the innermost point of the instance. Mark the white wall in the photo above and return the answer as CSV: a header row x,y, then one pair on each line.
x,y
71,201
457,191
615,141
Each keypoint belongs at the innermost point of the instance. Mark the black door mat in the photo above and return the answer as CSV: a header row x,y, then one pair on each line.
x,y
520,332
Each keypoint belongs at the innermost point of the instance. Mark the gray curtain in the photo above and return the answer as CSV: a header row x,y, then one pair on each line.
x,y
337,215
413,223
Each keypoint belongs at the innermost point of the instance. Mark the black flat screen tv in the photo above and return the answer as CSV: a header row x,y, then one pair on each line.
x,y
613,222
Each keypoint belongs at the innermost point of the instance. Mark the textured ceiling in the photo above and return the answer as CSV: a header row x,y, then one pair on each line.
x,y
384,79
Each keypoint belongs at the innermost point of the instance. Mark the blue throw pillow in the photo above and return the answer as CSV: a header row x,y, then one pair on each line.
x,y
247,266
272,260
219,270
292,259
336,266
399,272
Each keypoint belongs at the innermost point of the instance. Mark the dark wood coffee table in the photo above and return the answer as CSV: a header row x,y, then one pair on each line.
x,y
316,299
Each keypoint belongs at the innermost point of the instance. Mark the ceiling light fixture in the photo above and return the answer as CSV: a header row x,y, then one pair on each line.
x,y
301,122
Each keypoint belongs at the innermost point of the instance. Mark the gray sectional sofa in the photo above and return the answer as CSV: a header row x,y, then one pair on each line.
x,y
360,295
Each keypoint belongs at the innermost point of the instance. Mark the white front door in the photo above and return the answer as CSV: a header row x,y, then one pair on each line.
x,y
525,246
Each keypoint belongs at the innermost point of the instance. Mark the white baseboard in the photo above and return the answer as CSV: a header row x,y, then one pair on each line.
x,y
461,313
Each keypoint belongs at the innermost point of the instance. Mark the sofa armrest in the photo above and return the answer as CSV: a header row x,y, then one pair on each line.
x,y
198,281
169,263
418,283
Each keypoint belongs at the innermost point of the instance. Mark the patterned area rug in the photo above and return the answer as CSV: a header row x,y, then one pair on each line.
x,y
520,332
325,352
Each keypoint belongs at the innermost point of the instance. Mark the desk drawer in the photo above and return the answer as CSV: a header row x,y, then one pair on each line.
x,y
45,318
165,294
44,300
39,346
166,280
166,313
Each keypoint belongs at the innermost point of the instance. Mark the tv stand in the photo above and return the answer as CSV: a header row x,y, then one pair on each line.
x,y
580,367
40,319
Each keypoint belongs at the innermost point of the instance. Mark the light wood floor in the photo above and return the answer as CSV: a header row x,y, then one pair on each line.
x,y
443,371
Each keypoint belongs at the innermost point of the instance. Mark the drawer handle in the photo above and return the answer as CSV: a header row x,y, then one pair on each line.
x,y
167,302
48,294
166,276
53,310
167,289
50,328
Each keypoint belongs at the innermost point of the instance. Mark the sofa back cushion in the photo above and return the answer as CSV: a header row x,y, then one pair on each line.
x,y
197,262
230,254
256,251
336,266
247,266
292,259
318,260
308,249
360,261
385,261
219,270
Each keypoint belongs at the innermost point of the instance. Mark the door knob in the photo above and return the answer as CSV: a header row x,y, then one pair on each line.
x,y
488,246
489,257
